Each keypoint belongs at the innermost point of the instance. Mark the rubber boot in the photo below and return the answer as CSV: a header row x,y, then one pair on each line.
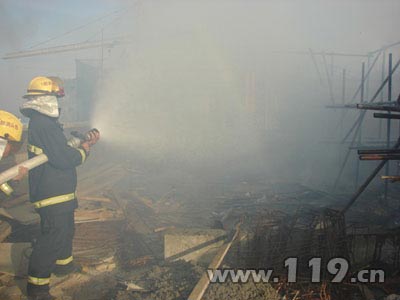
x,y
71,268
38,292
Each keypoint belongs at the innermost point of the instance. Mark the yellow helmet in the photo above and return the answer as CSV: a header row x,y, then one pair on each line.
x,y
10,127
39,86
58,86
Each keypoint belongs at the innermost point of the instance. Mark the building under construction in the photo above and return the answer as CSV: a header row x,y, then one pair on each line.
x,y
244,154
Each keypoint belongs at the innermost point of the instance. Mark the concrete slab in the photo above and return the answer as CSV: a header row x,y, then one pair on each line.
x,y
191,244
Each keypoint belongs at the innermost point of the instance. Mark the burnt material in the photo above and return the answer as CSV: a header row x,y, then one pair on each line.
x,y
387,116
378,151
367,181
379,107
306,234
380,157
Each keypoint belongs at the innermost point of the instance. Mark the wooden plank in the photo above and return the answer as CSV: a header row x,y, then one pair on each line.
x,y
146,201
97,215
98,199
202,285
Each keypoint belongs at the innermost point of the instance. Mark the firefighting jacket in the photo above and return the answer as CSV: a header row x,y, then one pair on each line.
x,y
52,185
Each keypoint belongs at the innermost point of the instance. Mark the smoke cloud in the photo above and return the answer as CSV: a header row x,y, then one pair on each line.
x,y
223,83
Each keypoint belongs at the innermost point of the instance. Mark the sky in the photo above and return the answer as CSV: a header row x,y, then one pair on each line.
x,y
263,25
26,25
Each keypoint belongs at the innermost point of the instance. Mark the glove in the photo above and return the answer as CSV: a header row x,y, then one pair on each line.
x,y
22,172
92,136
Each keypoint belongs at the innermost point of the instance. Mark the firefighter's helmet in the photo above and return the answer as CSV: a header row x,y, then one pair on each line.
x,y
10,127
39,86
57,87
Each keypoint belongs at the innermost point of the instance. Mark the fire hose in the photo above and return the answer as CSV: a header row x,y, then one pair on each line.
x,y
29,164
40,159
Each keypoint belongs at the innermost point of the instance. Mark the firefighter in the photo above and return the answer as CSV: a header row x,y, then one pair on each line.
x,y
10,143
51,186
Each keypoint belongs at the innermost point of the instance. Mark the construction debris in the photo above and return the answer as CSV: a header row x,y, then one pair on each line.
x,y
131,243
96,242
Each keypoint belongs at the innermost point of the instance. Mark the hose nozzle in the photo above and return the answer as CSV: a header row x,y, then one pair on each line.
x,y
84,137
79,137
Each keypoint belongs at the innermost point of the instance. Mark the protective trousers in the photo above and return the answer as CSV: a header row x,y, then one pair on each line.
x,y
53,248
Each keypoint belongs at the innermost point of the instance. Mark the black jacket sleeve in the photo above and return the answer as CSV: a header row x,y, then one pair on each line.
x,y
60,155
